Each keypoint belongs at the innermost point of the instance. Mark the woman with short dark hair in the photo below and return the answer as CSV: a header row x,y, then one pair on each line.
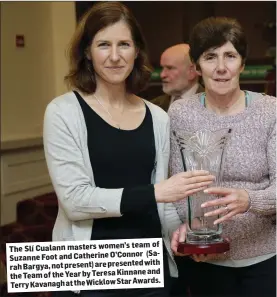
x,y
247,203
107,149
214,32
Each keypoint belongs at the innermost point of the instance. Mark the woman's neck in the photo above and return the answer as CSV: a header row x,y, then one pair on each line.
x,y
229,104
114,96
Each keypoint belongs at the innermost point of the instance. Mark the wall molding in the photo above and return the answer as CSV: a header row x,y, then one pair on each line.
x,y
24,175
21,143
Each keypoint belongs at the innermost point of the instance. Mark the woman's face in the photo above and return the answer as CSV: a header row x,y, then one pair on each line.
x,y
113,53
220,69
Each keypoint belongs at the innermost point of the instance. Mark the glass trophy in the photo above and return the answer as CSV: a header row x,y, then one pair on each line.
x,y
202,150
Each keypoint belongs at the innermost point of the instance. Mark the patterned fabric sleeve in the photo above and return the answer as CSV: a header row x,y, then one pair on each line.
x,y
264,201
175,160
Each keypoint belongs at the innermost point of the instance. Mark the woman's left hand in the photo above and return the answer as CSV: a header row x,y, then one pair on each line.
x,y
232,202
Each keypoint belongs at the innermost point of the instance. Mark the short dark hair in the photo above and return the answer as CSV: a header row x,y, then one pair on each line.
x,y
213,32
101,15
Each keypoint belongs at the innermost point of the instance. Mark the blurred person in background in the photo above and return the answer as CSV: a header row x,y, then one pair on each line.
x,y
179,78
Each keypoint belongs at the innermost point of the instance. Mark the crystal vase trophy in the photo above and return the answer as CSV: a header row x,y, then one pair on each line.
x,y
202,150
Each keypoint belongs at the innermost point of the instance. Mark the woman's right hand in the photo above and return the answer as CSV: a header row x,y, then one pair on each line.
x,y
182,185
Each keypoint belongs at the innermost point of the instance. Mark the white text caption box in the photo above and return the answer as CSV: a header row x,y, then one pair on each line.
x,y
85,265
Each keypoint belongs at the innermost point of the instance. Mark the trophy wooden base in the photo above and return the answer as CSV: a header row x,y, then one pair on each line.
x,y
212,248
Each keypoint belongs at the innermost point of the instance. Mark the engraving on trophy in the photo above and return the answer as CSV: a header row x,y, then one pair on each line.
x,y
202,150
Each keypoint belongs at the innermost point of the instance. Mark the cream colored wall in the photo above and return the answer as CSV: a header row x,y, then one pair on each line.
x,y
63,26
33,75
30,78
